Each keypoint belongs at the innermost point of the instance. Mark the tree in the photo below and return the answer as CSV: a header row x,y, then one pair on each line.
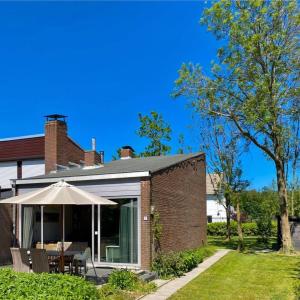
x,y
254,84
262,207
182,145
157,131
221,143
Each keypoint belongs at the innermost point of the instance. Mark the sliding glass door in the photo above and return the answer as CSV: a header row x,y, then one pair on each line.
x,y
115,229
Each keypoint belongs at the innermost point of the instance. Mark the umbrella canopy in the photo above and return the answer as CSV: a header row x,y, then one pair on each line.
x,y
60,193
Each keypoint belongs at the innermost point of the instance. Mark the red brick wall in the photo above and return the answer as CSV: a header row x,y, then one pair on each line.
x,y
5,233
92,158
145,224
179,196
60,149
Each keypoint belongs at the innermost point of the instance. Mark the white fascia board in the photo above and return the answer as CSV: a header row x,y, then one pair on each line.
x,y
84,178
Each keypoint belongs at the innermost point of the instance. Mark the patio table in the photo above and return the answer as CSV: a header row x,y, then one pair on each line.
x,y
57,255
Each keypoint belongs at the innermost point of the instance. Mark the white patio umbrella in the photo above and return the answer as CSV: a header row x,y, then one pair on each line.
x,y
60,193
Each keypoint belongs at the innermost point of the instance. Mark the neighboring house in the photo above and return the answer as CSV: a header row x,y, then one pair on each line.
x,y
173,187
27,156
215,208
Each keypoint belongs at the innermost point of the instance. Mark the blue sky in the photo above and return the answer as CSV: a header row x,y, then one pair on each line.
x,y
101,63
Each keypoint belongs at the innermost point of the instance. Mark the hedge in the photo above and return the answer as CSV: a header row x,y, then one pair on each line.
x,y
15,285
175,264
249,229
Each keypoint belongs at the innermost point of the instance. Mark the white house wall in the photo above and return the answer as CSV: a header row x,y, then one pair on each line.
x,y
104,188
215,209
32,168
8,170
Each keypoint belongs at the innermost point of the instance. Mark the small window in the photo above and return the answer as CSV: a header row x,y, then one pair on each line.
x,y
209,219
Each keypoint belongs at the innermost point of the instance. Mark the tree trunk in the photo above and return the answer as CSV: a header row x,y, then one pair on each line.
x,y
287,246
239,227
228,217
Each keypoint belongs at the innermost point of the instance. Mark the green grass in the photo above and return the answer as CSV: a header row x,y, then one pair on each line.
x,y
246,276
251,243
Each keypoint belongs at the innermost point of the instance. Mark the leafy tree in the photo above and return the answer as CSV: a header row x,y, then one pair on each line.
x,y
255,84
221,143
182,145
262,207
157,131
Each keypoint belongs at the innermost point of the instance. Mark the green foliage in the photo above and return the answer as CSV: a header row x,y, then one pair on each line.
x,y
254,84
261,207
249,229
124,284
44,286
157,131
175,264
156,230
123,280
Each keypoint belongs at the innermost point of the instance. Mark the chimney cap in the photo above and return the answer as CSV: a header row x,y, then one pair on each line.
x,y
128,147
55,117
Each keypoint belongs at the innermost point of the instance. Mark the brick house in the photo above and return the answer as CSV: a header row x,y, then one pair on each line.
x,y
28,156
173,187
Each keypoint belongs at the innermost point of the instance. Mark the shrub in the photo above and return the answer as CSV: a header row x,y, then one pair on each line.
x,y
123,284
175,264
249,229
123,280
44,286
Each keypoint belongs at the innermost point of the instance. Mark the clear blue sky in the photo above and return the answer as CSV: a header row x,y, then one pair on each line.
x,y
101,64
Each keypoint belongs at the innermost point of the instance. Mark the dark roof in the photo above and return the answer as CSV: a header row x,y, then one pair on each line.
x,y
144,164
25,147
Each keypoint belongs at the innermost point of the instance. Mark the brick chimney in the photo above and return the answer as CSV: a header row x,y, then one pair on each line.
x,y
56,140
92,157
127,152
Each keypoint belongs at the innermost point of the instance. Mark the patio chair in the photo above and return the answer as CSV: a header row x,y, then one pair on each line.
x,y
20,260
40,262
80,260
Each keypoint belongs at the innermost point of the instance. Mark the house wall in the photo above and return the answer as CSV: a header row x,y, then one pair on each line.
x,y
215,209
146,224
178,194
121,188
5,233
8,170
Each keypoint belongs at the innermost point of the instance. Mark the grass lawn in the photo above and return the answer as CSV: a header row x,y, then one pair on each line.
x,y
251,243
246,275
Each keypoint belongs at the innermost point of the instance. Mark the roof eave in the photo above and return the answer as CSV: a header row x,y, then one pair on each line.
x,y
83,178
178,162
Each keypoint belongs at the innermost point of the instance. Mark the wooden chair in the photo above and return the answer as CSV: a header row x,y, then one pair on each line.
x,y
20,260
40,263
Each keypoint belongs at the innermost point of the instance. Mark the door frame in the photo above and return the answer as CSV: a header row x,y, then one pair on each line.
x,y
97,262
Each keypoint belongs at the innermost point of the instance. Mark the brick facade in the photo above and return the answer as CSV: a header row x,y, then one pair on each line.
x,y
145,224
91,158
61,149
5,233
178,194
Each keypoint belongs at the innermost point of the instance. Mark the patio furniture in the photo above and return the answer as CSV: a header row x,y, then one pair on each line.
x,y
46,246
20,260
40,262
60,193
80,260
67,245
